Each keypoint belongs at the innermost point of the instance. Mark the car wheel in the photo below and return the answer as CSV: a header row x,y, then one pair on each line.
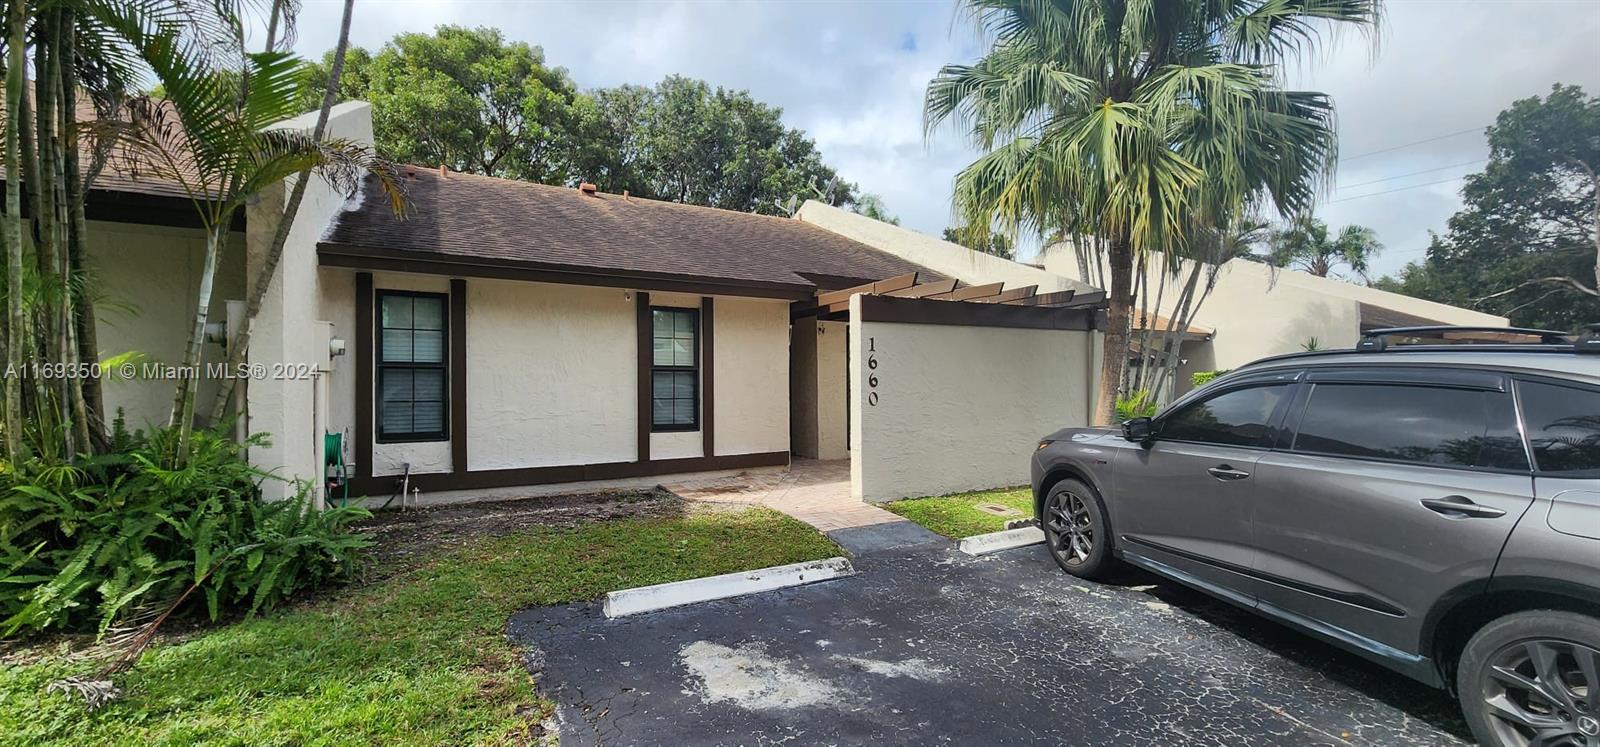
x,y
1533,678
1076,529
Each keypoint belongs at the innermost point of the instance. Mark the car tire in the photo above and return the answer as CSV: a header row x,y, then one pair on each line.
x,y
1532,674
1077,531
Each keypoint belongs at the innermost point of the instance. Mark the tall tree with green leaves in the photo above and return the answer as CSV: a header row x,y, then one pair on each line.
x,y
239,347
464,98
1135,121
685,141
1306,244
983,240
1526,243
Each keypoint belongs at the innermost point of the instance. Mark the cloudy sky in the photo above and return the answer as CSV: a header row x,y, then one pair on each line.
x,y
851,74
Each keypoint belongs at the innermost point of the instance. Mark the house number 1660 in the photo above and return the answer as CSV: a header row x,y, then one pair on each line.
x,y
872,365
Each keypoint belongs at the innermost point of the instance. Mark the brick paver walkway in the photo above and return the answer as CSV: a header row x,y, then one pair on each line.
x,y
817,493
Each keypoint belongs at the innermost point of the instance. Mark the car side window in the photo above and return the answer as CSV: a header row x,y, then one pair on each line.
x,y
1429,425
1563,427
1236,418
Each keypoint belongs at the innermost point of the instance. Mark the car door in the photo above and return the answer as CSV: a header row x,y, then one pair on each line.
x,y
1183,501
1396,488
1555,546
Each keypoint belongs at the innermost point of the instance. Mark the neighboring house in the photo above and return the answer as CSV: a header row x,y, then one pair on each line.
x,y
505,333
1256,310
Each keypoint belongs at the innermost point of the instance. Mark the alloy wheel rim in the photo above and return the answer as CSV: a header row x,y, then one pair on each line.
x,y
1070,528
1543,692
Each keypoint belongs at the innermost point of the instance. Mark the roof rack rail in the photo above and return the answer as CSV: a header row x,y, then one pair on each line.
x,y
1588,342
1374,341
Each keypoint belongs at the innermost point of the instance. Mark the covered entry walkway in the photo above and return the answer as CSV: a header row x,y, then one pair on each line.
x,y
928,387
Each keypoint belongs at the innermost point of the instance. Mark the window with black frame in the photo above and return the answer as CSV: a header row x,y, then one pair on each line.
x,y
412,367
675,369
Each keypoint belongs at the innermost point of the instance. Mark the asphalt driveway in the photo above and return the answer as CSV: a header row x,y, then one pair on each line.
x,y
929,646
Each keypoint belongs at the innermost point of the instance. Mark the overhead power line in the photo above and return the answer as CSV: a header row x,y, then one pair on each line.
x,y
1411,144
1414,173
1392,191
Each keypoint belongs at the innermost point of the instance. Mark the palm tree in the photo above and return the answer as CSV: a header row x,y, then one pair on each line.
x,y
280,237
1306,245
210,133
1130,120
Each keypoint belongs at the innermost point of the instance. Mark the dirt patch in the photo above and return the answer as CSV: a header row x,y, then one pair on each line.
x,y
402,538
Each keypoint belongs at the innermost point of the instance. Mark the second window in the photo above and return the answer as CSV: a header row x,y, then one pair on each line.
x,y
675,369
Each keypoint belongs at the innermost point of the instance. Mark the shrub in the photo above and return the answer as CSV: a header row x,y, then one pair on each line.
x,y
105,540
1139,404
1202,378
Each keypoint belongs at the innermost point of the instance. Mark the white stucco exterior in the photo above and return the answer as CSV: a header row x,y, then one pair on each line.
x,y
943,257
959,408
144,279
285,330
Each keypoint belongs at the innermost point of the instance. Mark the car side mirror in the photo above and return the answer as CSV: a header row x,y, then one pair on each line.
x,y
1139,430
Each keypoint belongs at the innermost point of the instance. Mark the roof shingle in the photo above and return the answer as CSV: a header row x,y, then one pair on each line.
x,y
466,216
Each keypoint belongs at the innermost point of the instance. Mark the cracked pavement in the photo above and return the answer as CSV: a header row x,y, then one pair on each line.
x,y
930,646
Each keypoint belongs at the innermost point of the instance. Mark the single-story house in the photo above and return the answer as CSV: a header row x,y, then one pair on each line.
x,y
503,333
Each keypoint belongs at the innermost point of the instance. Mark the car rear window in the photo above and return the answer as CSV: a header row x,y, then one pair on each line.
x,y
1563,426
1428,425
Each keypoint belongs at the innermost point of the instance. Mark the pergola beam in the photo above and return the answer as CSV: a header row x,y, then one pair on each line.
x,y
924,290
886,285
970,292
1014,294
1045,299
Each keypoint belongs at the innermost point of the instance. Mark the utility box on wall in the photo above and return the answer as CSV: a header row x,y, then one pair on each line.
x,y
945,399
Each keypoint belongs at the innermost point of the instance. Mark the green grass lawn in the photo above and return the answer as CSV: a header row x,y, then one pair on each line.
x,y
417,658
956,516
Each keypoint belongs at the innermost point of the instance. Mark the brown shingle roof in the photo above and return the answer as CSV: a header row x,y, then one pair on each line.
x,y
464,217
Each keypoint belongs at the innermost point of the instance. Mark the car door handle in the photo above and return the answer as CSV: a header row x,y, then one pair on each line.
x,y
1461,507
1225,473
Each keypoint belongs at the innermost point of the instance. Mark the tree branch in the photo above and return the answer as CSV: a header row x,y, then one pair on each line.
x,y
1553,279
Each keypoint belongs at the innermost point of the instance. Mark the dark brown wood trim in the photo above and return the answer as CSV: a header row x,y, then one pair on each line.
x,y
458,375
642,331
502,478
364,353
1014,294
143,209
927,289
708,379
1045,299
971,292
970,314
895,283
336,255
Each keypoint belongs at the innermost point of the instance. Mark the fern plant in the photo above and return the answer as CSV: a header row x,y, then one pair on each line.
x,y
97,543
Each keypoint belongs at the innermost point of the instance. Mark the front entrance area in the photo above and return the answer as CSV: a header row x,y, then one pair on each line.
x,y
929,387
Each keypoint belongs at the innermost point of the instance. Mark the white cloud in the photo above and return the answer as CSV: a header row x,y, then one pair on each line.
x,y
844,73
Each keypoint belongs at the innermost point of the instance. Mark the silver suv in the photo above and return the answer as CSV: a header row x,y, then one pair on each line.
x,y
1431,506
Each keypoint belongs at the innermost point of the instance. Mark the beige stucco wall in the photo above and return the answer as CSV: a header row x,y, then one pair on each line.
x,y
552,377
959,408
943,257
821,410
751,340
1257,311
143,279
